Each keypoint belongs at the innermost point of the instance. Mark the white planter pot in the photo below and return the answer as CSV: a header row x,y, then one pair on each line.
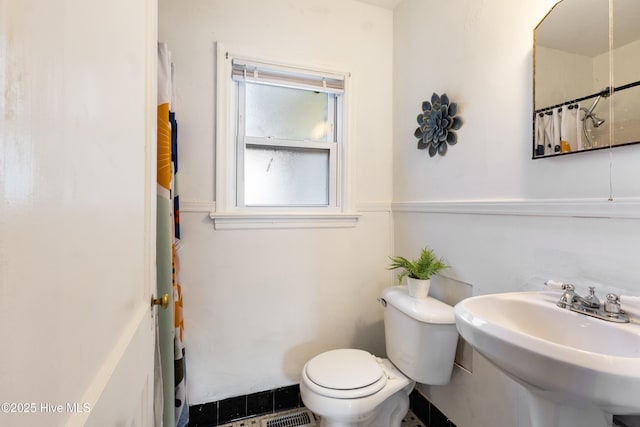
x,y
418,288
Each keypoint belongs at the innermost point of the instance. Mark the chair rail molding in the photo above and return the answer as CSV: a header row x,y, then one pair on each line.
x,y
624,208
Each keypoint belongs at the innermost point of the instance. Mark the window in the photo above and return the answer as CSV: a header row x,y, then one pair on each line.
x,y
284,150
288,131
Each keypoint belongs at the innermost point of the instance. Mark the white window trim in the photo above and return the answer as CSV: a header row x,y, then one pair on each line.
x,y
227,215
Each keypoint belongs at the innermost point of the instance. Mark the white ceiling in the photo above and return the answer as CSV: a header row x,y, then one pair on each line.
x,y
386,4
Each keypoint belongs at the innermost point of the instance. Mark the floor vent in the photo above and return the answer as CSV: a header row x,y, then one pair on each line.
x,y
297,419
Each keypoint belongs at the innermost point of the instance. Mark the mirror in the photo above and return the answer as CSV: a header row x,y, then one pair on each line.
x,y
586,78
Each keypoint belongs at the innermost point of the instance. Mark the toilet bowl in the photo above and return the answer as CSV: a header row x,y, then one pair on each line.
x,y
361,389
350,387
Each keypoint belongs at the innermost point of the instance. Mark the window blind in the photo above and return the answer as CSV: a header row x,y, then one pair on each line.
x,y
257,72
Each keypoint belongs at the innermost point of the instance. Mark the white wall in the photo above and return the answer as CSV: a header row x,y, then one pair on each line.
x,y
480,54
258,304
484,65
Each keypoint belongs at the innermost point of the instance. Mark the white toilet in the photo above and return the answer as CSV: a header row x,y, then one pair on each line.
x,y
349,387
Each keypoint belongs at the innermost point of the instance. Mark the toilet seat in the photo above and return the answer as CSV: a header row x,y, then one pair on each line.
x,y
345,374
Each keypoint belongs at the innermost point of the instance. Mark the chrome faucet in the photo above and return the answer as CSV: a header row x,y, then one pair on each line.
x,y
590,301
590,305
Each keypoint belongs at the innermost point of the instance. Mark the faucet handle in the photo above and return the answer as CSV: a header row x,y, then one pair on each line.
x,y
613,304
568,295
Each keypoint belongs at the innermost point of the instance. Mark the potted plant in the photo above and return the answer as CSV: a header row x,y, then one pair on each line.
x,y
418,271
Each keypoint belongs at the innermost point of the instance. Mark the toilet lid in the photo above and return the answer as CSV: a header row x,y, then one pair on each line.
x,y
344,369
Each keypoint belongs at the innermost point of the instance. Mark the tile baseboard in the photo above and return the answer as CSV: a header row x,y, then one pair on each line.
x,y
285,398
427,412
234,408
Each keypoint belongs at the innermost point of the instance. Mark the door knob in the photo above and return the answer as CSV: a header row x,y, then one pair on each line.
x,y
162,302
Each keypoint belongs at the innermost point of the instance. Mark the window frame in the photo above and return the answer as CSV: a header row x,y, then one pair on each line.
x,y
229,213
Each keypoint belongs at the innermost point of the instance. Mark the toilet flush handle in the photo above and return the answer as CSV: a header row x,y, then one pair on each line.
x,y
382,301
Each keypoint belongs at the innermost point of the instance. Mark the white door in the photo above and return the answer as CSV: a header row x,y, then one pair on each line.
x,y
77,211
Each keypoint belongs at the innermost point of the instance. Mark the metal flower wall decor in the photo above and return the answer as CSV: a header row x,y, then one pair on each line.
x,y
437,124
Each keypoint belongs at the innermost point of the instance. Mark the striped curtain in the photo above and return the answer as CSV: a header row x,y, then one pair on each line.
x,y
171,325
181,407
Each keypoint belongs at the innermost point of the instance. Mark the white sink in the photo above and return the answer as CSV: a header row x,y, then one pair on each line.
x,y
566,357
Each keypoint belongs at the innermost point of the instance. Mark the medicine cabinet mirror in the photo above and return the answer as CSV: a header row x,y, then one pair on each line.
x,y
586,80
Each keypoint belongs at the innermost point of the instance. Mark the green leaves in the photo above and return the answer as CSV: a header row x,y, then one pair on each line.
x,y
420,268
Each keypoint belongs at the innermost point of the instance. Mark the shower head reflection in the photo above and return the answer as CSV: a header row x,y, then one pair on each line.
x,y
596,121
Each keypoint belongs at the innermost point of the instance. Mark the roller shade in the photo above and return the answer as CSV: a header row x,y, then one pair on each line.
x,y
256,72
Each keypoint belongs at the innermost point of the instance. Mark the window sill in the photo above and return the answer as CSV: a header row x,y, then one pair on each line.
x,y
253,221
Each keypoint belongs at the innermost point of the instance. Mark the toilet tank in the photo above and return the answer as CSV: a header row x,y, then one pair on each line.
x,y
420,335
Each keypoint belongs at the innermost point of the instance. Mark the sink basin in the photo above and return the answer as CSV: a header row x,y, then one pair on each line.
x,y
567,357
